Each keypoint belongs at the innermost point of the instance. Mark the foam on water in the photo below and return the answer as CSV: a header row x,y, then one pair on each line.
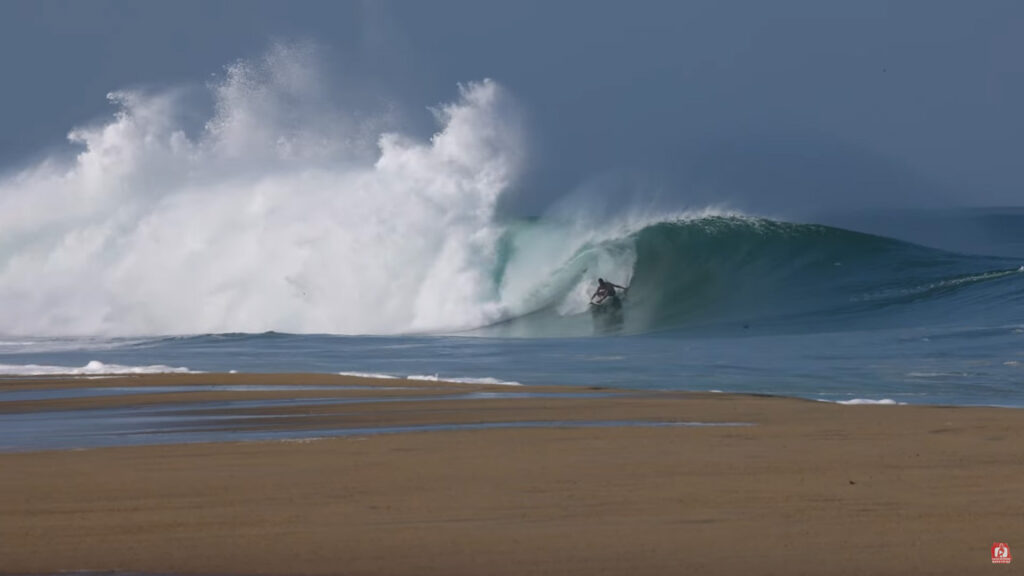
x,y
868,401
432,378
368,375
93,368
438,378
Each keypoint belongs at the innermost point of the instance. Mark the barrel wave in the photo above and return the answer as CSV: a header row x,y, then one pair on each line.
x,y
731,273
285,211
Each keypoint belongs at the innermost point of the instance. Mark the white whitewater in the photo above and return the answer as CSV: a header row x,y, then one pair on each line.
x,y
284,212
280,214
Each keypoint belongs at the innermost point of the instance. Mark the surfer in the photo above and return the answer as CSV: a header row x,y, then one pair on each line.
x,y
605,290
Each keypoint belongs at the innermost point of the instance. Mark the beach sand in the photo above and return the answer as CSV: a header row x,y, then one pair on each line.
x,y
806,488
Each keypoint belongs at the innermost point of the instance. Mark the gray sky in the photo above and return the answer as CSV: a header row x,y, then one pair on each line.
x,y
792,106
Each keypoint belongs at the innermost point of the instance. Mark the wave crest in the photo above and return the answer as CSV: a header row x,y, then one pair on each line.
x,y
285,212
273,217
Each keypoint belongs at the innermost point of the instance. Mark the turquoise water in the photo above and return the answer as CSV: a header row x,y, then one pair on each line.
x,y
715,303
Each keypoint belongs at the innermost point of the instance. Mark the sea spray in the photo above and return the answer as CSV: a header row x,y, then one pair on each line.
x,y
274,216
286,212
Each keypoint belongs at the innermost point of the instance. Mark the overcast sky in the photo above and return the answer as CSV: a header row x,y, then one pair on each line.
x,y
772,105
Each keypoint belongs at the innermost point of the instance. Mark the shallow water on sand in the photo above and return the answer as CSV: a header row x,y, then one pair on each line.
x,y
947,364
247,418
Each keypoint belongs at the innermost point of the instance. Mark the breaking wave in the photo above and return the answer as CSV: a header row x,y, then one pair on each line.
x,y
280,213
730,272
284,213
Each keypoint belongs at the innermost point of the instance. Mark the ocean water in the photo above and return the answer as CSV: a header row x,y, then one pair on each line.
x,y
734,304
284,235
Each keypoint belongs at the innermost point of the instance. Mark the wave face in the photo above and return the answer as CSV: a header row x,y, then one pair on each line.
x,y
283,213
730,273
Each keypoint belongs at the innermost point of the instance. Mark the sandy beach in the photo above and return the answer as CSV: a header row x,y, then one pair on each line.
x,y
726,484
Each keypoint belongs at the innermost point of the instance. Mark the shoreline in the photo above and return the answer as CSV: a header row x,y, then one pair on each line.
x,y
75,413
74,380
805,487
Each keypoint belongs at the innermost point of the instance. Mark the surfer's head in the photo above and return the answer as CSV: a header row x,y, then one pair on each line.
x,y
600,280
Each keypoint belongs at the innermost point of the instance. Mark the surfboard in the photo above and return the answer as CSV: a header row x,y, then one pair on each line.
x,y
610,303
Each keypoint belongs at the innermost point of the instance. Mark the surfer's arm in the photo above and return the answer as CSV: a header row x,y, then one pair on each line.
x,y
619,287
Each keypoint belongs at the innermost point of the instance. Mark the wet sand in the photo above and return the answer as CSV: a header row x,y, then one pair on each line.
x,y
806,488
